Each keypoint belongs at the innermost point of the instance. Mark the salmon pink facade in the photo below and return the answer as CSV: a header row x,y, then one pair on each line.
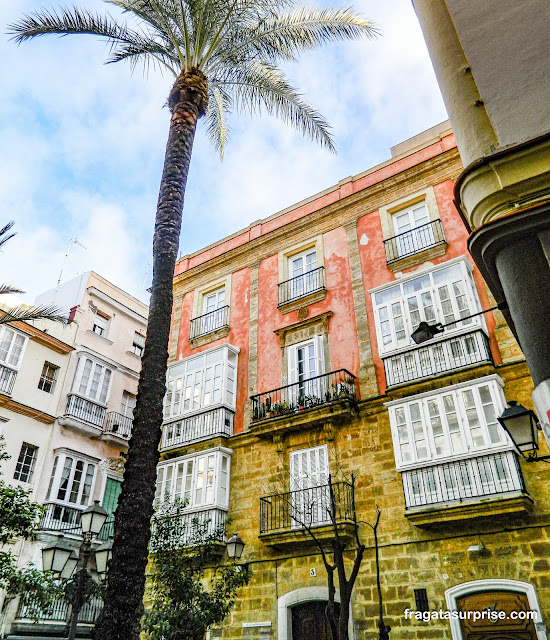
x,y
294,376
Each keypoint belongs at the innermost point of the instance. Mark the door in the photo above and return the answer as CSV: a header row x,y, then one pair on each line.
x,y
305,366
310,498
490,603
303,277
309,621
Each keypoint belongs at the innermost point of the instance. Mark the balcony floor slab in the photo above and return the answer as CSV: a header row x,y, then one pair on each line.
x,y
490,506
300,537
85,428
334,412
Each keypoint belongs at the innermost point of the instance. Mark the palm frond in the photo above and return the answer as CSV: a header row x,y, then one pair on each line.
x,y
9,288
3,231
24,313
282,36
262,86
67,21
217,127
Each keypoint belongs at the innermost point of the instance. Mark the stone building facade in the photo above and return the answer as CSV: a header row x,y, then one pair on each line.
x,y
291,359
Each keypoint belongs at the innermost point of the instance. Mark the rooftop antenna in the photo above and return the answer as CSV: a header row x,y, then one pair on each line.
x,y
73,241
146,274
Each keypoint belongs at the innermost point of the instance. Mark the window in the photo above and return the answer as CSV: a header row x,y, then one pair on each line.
x,y
205,380
128,404
453,422
139,344
48,377
100,325
443,295
25,463
303,275
11,346
72,480
413,228
198,480
92,380
306,361
310,497
213,300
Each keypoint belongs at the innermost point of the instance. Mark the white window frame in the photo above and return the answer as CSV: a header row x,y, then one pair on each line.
x,y
101,322
19,467
420,235
495,385
78,380
179,480
218,304
127,404
45,379
17,341
317,386
56,479
138,344
436,311
307,500
178,383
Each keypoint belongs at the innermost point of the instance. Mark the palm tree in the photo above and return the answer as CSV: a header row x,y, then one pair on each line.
x,y
224,56
24,312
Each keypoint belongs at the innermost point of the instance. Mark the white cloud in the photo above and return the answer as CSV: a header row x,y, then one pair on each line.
x,y
83,145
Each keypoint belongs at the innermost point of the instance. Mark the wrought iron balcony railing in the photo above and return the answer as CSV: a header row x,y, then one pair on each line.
x,y
118,424
29,609
306,507
440,357
215,422
301,286
486,475
7,379
64,519
410,242
86,410
183,528
304,395
209,322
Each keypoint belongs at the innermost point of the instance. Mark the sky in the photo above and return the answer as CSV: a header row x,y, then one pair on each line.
x,y
82,145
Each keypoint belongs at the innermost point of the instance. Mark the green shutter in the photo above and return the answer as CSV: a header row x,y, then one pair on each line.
x,y
112,491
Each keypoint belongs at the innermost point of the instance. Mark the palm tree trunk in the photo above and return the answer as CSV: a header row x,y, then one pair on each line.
x,y
121,615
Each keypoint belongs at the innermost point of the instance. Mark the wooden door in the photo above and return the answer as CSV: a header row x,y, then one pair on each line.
x,y
487,629
309,622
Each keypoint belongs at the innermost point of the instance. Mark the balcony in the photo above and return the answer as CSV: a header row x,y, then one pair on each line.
x,y
303,403
427,238
200,426
216,321
302,290
83,415
285,516
486,485
29,611
117,425
7,380
180,527
436,358
64,519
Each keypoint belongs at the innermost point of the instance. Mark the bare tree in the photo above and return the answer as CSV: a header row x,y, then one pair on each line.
x,y
305,513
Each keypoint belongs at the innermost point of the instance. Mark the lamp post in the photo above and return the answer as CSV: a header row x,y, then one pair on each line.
x,y
425,331
522,426
60,558
235,547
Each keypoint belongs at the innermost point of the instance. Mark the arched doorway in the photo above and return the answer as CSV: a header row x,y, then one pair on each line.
x,y
309,621
301,613
502,611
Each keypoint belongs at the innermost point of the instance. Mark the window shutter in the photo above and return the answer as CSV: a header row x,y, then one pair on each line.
x,y
292,364
319,354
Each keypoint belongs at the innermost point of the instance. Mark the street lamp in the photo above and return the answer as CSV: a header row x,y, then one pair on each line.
x,y
235,547
60,557
425,331
103,555
522,426
56,555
